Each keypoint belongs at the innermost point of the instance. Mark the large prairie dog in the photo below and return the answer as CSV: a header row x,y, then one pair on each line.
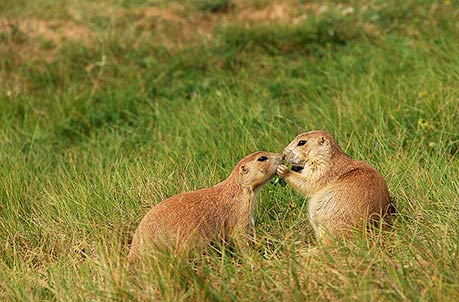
x,y
220,212
344,193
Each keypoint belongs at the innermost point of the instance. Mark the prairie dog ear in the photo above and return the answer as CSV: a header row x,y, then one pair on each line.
x,y
323,141
244,170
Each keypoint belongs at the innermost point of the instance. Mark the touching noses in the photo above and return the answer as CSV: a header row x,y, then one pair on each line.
x,y
279,158
287,152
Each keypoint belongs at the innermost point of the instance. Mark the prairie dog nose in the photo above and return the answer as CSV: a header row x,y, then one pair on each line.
x,y
286,153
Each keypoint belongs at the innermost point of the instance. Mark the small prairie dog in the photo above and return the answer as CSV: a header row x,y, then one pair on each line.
x,y
223,211
344,193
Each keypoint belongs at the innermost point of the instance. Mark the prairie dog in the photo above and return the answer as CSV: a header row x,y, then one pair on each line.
x,y
344,193
223,211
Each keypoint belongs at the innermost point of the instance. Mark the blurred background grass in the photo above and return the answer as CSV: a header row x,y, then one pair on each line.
x,y
109,107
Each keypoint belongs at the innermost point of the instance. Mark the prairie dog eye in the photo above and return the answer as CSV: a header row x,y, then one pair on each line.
x,y
262,158
301,142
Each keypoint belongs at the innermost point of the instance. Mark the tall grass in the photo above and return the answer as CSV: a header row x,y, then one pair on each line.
x,y
105,129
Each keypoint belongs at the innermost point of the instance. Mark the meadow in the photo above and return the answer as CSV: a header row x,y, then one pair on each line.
x,y
108,107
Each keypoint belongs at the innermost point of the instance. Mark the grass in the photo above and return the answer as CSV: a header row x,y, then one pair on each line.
x,y
125,106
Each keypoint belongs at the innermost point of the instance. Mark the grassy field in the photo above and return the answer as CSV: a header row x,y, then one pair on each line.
x,y
106,108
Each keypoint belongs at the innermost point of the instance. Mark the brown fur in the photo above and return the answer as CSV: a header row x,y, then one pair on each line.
x,y
223,211
344,193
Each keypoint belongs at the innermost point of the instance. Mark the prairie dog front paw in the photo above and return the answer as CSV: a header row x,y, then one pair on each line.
x,y
282,171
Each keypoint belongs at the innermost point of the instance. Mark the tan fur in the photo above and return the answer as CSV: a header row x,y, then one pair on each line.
x,y
344,193
223,211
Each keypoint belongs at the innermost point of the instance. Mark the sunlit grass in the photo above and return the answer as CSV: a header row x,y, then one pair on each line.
x,y
94,132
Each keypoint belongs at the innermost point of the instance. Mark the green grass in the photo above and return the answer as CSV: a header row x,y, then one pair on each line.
x,y
95,132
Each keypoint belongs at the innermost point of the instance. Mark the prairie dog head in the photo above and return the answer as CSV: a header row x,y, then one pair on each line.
x,y
313,147
258,168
